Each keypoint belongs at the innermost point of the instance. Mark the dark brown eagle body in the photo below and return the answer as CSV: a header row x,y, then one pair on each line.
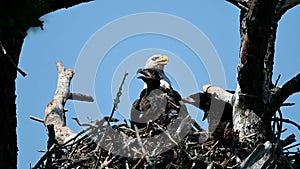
x,y
156,104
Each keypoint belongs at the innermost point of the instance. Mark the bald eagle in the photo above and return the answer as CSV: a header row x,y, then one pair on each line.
x,y
157,62
155,103
203,101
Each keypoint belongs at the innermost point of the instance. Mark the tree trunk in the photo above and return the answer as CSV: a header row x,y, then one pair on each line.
x,y
254,74
256,99
13,28
8,119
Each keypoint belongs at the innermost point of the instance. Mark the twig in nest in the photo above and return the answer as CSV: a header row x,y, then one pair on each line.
x,y
139,162
117,99
171,102
77,135
124,124
107,162
83,124
49,152
141,144
111,119
167,133
212,148
242,139
189,156
126,164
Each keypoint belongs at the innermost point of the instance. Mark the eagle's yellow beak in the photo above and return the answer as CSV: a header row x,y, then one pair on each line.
x,y
162,60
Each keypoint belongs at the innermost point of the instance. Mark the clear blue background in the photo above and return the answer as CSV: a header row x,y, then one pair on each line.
x,y
66,31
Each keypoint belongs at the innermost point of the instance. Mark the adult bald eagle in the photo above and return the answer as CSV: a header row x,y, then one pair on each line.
x,y
156,104
157,62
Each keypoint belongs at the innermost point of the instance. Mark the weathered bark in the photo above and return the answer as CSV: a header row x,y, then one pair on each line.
x,y
55,113
254,99
16,17
8,119
248,109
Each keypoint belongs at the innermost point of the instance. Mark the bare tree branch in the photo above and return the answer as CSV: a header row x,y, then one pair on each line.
x,y
288,4
290,87
287,121
80,97
36,119
282,93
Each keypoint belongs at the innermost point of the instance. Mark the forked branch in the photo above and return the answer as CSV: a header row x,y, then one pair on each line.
x,y
289,88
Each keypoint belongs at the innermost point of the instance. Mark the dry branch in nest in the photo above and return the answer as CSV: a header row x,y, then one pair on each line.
x,y
118,146
107,143
55,112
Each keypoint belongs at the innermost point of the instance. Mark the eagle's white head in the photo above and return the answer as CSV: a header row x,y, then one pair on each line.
x,y
157,62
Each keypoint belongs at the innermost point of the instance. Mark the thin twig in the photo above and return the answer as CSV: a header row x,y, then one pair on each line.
x,y
42,159
141,144
279,125
77,135
211,149
166,132
292,146
80,97
126,164
117,99
139,162
83,124
36,119
287,104
287,121
11,60
242,139
277,80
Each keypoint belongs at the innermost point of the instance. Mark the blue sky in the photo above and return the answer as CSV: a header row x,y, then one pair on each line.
x,y
68,33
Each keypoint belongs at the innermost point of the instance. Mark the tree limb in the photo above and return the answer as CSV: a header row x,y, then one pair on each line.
x,y
282,93
288,4
36,119
80,97
55,113
287,121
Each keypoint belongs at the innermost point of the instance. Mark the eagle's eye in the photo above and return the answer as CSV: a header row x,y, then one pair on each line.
x,y
155,58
